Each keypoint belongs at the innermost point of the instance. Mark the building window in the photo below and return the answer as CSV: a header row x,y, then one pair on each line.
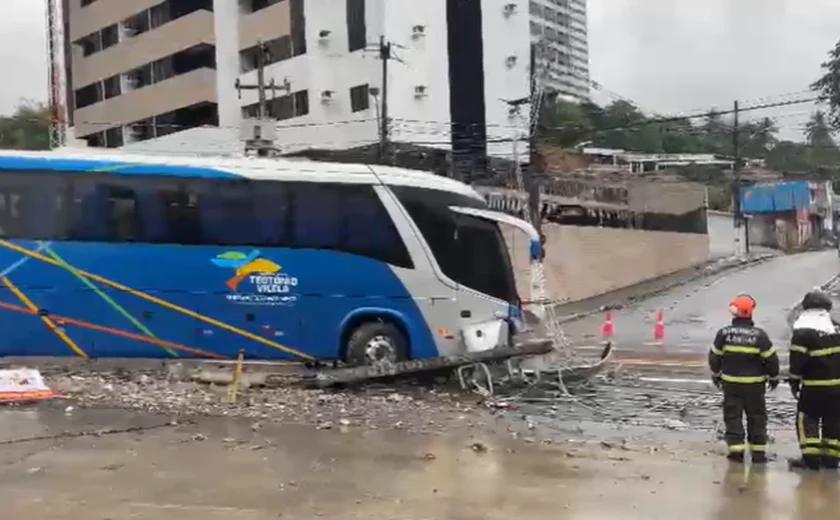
x,y
111,87
114,137
359,98
89,95
252,6
298,29
110,36
356,28
285,107
276,50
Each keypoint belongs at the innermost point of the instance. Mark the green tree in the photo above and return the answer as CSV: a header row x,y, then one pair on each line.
x,y
818,132
789,157
827,86
565,124
27,128
759,137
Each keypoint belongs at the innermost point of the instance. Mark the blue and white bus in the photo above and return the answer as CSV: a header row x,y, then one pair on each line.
x,y
113,255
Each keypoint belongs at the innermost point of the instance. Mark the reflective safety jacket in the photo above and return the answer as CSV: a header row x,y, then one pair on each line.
x,y
815,351
743,353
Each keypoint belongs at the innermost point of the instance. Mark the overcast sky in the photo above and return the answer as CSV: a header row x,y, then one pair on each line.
x,y
668,56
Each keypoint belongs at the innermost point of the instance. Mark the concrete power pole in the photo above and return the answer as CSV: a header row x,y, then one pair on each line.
x,y
259,134
740,220
386,55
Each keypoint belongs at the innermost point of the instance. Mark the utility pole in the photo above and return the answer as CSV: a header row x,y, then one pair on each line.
x,y
740,221
260,134
530,180
384,123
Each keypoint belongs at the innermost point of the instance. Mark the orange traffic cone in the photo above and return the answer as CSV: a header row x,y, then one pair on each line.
x,y
659,328
607,330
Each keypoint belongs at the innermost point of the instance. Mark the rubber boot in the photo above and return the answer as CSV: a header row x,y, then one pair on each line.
x,y
803,463
735,457
759,457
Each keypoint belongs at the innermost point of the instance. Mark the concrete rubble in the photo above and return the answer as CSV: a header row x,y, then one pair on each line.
x,y
405,406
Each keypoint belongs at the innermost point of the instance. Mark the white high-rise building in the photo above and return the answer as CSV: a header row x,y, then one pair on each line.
x,y
560,30
155,74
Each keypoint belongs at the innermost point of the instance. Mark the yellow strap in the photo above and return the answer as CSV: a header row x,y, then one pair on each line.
x,y
794,376
800,427
798,348
831,453
812,451
758,447
821,382
768,353
810,441
825,352
741,350
737,448
744,379
832,442
716,351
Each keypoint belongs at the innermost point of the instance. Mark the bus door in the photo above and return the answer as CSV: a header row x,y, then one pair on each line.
x,y
488,303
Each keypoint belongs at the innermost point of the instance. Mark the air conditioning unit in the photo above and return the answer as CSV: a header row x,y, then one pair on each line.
x,y
420,91
327,96
509,9
510,61
418,31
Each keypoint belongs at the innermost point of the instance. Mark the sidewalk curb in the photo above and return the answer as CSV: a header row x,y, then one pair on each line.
x,y
712,270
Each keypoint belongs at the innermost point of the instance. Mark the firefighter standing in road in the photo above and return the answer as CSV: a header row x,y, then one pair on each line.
x,y
815,382
743,362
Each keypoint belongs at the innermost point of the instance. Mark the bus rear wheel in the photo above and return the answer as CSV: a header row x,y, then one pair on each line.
x,y
374,343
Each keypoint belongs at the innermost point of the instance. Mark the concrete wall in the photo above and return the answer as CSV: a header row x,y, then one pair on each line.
x,y
586,261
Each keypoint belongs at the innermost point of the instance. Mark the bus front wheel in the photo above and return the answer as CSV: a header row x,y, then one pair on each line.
x,y
372,343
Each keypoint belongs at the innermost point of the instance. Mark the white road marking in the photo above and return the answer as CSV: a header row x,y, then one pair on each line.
x,y
675,380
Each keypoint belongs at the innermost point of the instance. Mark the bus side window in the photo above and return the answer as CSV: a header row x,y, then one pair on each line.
x,y
272,214
316,220
368,229
226,210
29,206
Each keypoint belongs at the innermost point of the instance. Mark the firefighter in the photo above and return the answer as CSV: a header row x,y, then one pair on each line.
x,y
743,362
815,383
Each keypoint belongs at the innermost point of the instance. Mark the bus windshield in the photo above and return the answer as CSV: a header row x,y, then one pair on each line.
x,y
469,250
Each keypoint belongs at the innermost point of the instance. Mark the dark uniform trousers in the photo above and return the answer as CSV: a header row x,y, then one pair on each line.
x,y
740,399
818,429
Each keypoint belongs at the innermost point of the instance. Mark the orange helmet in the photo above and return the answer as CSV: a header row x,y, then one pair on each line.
x,y
742,306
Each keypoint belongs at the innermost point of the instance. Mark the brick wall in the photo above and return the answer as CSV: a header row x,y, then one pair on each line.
x,y
587,261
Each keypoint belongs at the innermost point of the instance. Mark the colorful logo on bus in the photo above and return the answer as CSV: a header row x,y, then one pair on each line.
x,y
256,280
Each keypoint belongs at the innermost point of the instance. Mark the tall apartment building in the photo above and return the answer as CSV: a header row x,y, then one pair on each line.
x,y
559,27
148,73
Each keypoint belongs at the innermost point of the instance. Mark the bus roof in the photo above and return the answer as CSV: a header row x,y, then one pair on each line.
x,y
119,163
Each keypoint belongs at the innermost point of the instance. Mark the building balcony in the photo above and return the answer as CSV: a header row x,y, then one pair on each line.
x,y
192,88
102,13
266,24
133,52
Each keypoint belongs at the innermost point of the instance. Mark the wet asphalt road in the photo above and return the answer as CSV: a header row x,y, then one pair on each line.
x,y
227,469
693,313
